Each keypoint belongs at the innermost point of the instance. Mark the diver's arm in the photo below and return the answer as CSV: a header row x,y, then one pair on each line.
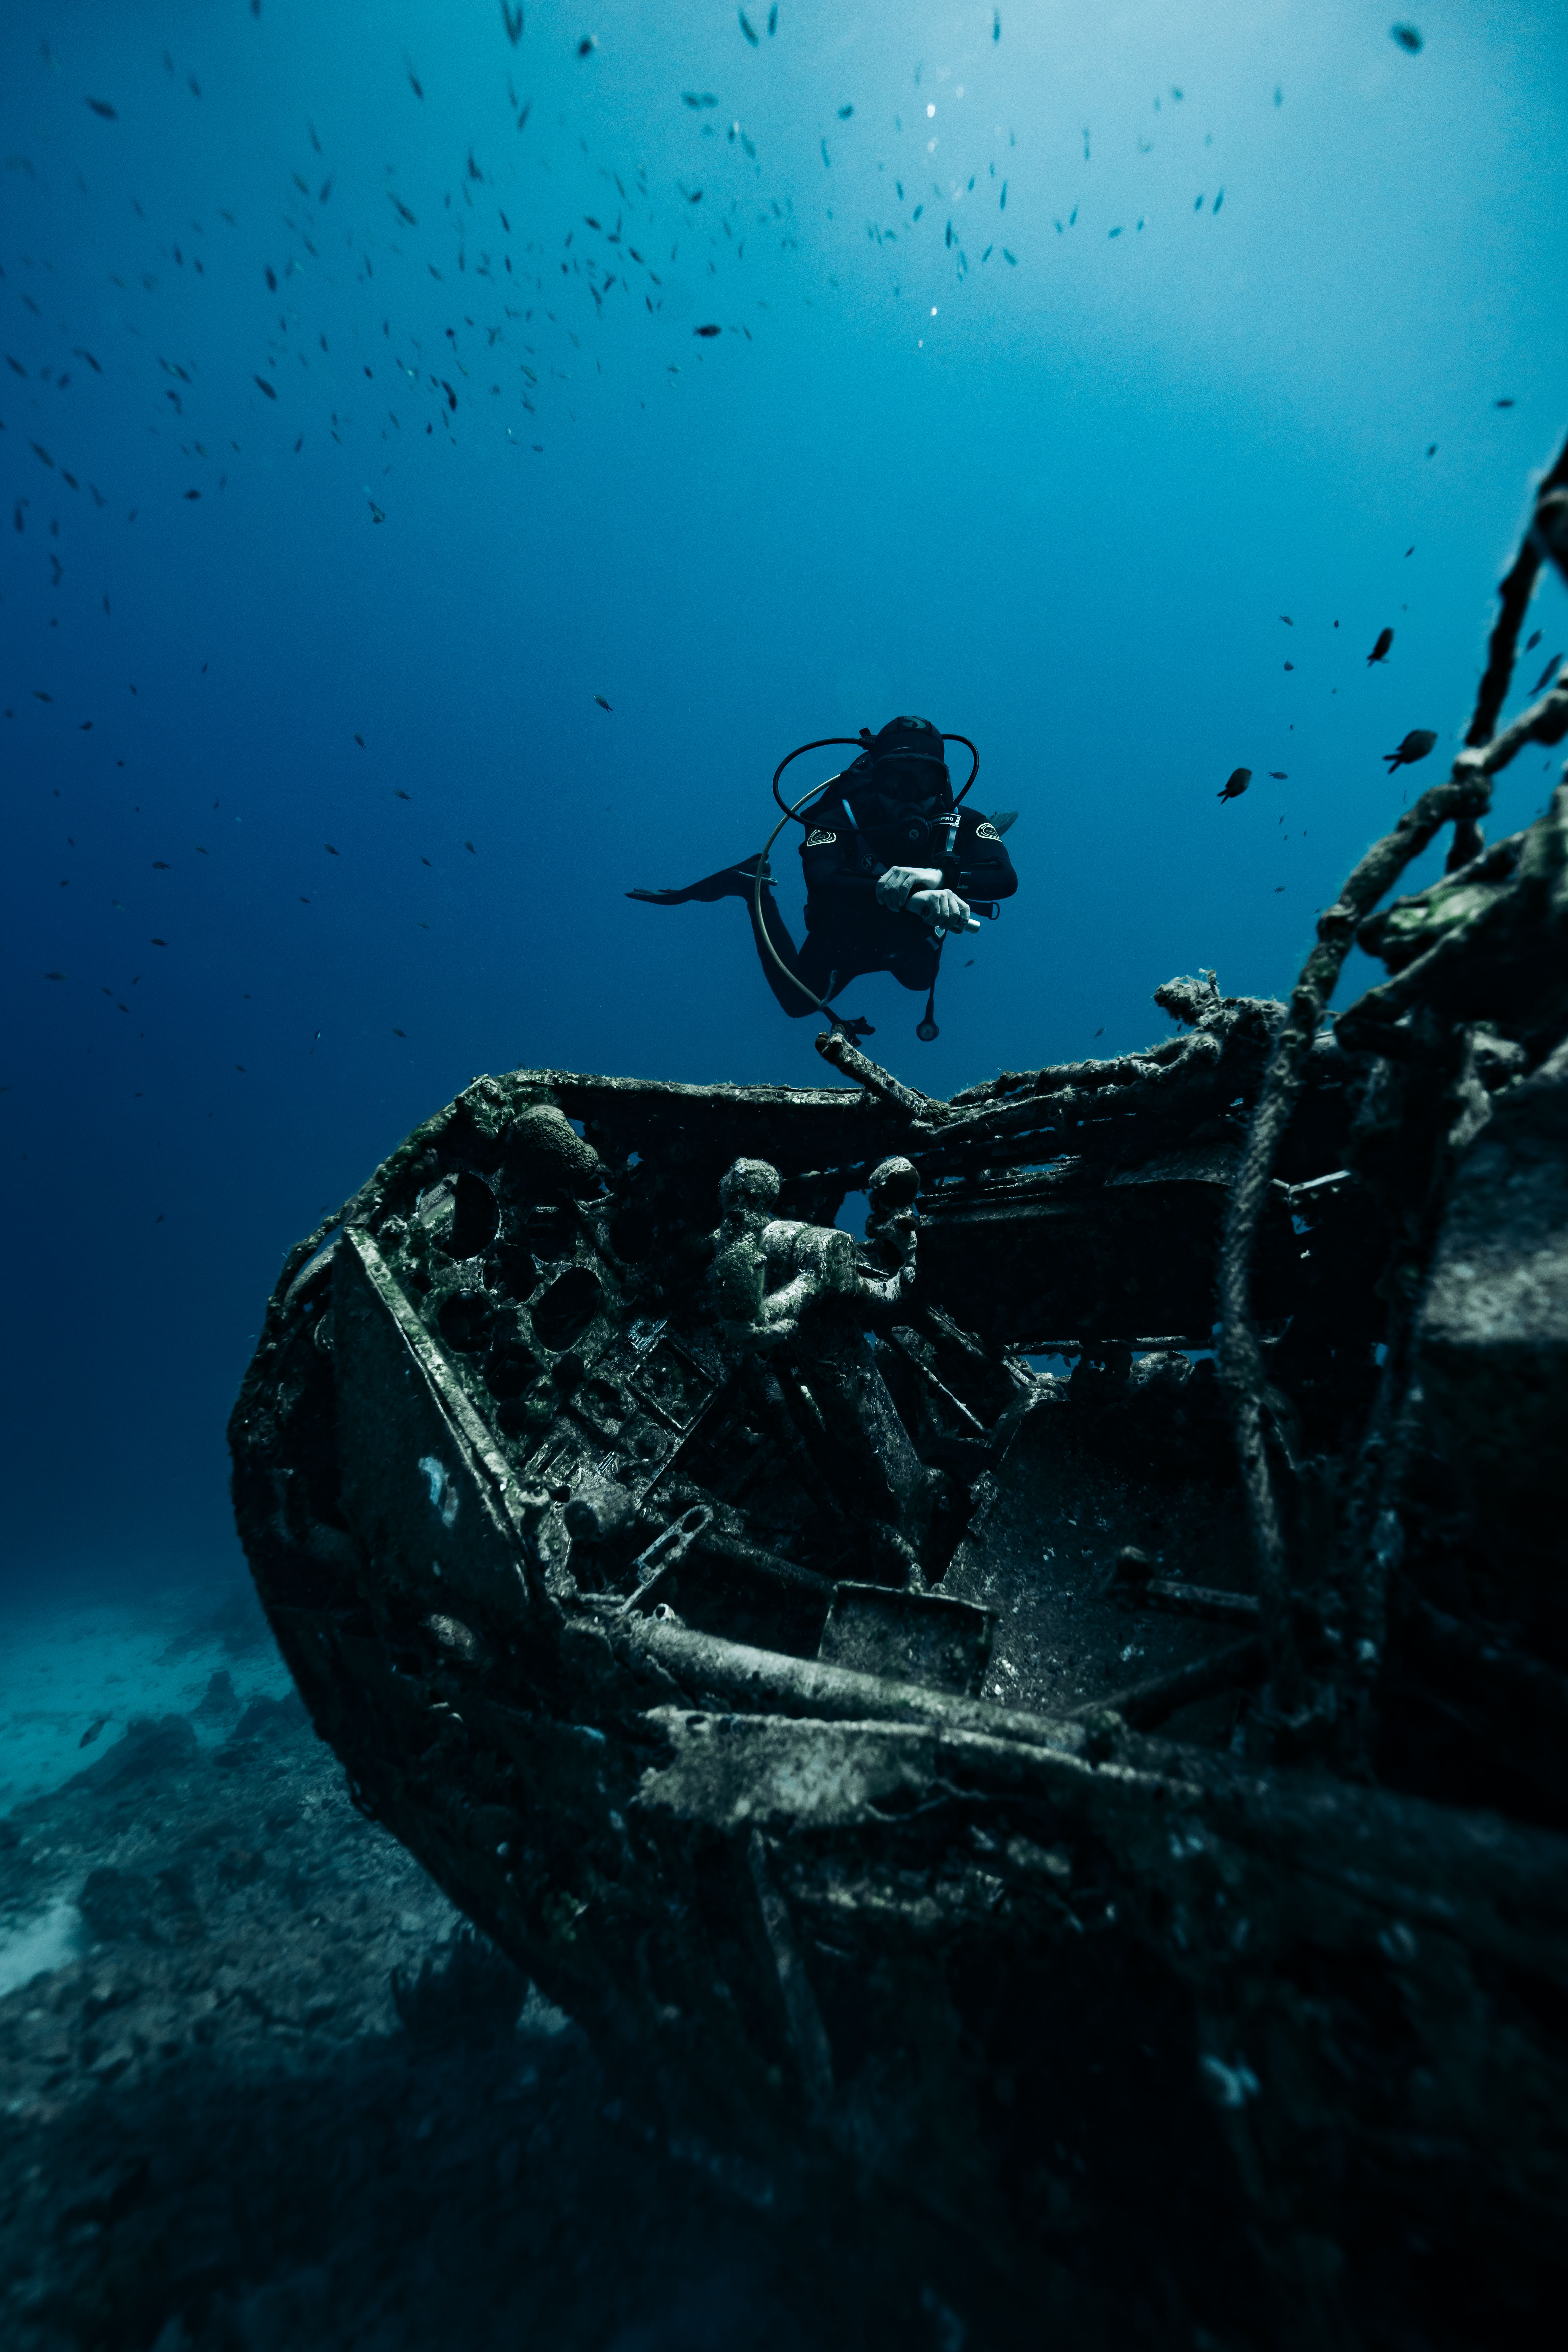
x,y
983,869
831,863
895,885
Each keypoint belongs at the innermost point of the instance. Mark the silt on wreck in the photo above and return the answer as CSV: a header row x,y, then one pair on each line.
x,y
1100,1841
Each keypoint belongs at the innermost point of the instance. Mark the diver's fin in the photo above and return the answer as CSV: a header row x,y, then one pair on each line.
x,y
730,882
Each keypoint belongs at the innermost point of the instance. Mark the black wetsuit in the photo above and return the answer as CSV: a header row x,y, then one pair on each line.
x,y
847,932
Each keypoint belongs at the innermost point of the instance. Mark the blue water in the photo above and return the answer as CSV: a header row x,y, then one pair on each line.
x,y
1054,483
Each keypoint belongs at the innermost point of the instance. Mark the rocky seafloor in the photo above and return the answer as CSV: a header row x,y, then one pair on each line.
x,y
271,2094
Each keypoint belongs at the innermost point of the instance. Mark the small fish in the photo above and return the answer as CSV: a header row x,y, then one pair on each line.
x,y
93,1729
773,19
54,975
1235,784
1380,651
401,209
413,79
329,850
193,494
1280,775
401,1033
997,35
1289,665
1504,403
42,455
260,381
845,112
1418,745
360,741
1408,39
1531,643
1290,624
698,98
602,703
705,331
1547,674
587,45
397,791
160,866
1432,451
1410,550
377,514
513,19
746,26
158,943
101,106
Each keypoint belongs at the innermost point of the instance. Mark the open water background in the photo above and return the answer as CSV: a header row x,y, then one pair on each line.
x,y
1052,486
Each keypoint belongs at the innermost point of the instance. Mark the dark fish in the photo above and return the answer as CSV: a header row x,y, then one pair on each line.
x,y
472,850
158,943
773,19
1380,650
698,98
402,210
401,1033
77,353
397,791
1418,745
845,112
101,106
602,703
1546,674
15,363
93,1729
54,975
997,35
1504,403
1289,665
705,331
160,866
746,28
329,850
271,279
513,19
360,741
1408,39
378,514
1235,784
193,494
1432,452
587,45
39,695
1531,642
1280,775
265,387
1290,624
413,79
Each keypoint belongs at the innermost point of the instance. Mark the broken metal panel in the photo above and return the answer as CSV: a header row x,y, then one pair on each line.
x,y
424,1483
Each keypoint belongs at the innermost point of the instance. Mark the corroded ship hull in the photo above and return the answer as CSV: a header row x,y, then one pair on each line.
x,y
1134,1867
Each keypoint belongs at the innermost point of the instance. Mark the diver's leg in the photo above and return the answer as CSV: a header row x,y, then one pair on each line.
x,y
915,967
730,882
799,986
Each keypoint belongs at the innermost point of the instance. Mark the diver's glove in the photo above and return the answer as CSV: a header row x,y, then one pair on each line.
x,y
944,910
894,887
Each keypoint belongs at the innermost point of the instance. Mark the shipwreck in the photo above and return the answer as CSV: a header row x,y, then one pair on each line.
x,y
1106,1836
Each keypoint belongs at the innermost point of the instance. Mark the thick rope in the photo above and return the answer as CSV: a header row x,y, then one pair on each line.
x,y
1465,795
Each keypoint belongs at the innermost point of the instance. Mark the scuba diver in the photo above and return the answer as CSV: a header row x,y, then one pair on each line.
x,y
894,865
